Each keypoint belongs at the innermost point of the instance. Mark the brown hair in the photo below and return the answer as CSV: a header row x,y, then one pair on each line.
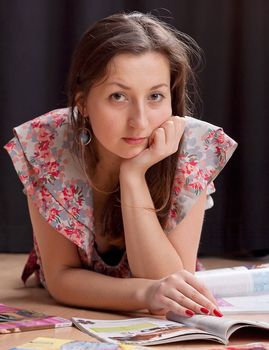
x,y
134,33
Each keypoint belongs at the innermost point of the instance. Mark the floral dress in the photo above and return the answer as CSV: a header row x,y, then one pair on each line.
x,y
52,176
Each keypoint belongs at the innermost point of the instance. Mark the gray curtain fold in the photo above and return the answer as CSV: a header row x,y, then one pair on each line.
x,y
37,40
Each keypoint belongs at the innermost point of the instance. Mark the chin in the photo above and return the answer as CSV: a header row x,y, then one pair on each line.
x,y
131,154
128,156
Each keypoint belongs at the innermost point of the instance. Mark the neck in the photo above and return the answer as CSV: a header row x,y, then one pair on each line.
x,y
105,178
104,174
108,167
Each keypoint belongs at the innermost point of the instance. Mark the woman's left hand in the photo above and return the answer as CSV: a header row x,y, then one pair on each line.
x,y
181,293
163,142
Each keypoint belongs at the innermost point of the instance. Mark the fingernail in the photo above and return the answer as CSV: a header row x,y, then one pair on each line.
x,y
204,310
189,313
217,313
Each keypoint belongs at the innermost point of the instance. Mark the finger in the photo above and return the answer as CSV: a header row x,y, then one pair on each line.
x,y
199,286
191,299
169,128
169,304
200,294
179,126
159,140
174,134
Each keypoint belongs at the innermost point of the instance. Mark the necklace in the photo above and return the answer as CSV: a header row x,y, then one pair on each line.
x,y
103,191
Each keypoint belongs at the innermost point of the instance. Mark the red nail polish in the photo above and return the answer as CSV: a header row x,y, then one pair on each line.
x,y
189,312
204,310
217,313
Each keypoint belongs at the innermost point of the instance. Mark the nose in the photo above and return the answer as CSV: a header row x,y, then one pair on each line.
x,y
138,116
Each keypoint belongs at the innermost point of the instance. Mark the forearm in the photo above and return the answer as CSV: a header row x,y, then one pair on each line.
x,y
150,253
84,288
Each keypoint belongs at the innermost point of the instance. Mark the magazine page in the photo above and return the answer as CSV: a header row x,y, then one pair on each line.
x,y
223,327
230,269
45,343
14,319
142,331
210,324
258,303
239,282
220,270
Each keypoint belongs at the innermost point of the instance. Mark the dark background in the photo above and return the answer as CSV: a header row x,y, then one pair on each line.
x,y
37,39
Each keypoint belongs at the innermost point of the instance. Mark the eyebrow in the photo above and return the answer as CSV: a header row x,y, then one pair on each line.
x,y
128,88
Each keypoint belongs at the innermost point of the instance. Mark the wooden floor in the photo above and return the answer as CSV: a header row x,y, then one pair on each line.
x,y
13,292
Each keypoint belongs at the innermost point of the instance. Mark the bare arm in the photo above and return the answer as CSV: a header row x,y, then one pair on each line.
x,y
151,253
70,283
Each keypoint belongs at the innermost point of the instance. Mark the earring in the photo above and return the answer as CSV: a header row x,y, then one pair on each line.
x,y
84,136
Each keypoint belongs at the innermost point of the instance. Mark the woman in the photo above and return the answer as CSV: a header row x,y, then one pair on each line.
x,y
118,182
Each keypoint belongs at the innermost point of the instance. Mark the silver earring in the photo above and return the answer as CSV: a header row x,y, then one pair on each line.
x,y
84,136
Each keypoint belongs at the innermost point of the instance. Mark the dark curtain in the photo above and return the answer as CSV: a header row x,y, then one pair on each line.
x,y
37,39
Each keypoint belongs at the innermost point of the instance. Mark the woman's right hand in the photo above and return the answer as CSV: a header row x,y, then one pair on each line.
x,y
181,293
163,142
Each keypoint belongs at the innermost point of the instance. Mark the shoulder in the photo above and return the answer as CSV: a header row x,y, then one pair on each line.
x,y
42,154
44,130
46,143
39,137
44,147
205,135
206,147
204,151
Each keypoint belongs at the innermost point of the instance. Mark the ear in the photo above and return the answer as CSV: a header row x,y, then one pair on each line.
x,y
80,103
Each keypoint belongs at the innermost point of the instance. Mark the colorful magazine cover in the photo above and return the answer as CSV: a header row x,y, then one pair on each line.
x,y
14,319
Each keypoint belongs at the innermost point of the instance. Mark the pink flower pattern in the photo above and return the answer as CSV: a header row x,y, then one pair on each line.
x,y
41,151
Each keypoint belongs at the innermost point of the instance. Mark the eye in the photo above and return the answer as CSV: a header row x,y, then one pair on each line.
x,y
156,96
118,97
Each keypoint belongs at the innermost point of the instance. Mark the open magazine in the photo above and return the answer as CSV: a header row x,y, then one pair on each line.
x,y
153,331
239,289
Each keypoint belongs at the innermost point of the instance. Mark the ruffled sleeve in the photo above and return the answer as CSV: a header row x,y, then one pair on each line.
x,y
205,149
51,176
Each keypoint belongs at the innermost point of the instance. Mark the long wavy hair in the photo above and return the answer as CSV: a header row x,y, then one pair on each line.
x,y
133,33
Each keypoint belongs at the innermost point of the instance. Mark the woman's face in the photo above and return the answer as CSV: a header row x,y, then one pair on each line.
x,y
129,104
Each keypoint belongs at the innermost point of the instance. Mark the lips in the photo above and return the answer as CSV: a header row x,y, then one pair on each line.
x,y
134,140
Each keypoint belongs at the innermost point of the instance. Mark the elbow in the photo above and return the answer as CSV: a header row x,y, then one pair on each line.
x,y
58,289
